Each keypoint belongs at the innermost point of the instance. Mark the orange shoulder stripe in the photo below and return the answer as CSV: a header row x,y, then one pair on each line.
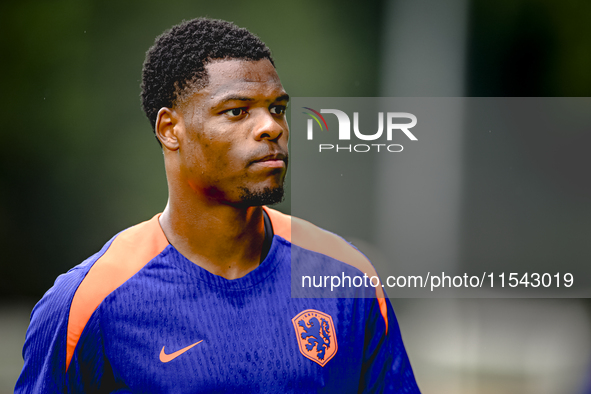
x,y
308,236
129,253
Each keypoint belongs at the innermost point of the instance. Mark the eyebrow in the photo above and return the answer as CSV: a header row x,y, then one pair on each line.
x,y
283,97
234,98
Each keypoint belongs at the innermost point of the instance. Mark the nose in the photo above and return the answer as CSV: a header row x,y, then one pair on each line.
x,y
267,127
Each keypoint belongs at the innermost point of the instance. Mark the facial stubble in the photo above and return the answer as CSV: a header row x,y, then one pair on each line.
x,y
267,196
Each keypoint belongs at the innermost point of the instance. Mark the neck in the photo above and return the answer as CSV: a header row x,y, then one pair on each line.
x,y
225,240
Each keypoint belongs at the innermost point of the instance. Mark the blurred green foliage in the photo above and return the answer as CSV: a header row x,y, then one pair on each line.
x,y
80,162
530,48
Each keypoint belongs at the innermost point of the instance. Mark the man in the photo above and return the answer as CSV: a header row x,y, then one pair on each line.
x,y
198,299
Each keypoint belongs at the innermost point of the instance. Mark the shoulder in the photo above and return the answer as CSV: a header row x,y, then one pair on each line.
x,y
58,319
316,240
308,236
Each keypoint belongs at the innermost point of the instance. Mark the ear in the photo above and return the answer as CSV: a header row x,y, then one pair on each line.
x,y
168,125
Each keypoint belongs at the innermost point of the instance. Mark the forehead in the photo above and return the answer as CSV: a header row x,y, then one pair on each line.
x,y
251,78
235,70
257,78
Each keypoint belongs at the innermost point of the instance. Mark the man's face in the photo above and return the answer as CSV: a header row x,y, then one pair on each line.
x,y
234,149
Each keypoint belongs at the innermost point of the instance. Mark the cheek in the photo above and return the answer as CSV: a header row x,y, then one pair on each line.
x,y
214,160
215,152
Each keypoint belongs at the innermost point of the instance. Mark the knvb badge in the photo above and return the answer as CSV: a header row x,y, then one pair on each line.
x,y
316,335
344,133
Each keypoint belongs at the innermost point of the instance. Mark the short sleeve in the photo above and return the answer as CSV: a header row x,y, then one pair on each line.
x,y
44,351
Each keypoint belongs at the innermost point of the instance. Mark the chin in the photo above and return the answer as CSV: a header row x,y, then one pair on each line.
x,y
258,197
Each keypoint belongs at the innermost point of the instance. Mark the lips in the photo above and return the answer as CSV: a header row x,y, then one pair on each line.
x,y
276,159
276,156
273,156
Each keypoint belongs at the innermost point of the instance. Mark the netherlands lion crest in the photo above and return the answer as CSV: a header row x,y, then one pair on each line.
x,y
316,335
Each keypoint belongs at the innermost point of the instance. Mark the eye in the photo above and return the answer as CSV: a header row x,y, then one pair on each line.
x,y
278,109
235,112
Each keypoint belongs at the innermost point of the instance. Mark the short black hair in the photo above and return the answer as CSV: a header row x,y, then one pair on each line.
x,y
176,62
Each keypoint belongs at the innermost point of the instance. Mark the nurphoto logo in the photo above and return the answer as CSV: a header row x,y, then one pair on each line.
x,y
393,125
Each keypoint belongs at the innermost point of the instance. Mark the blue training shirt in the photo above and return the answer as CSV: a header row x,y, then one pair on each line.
x,y
138,317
